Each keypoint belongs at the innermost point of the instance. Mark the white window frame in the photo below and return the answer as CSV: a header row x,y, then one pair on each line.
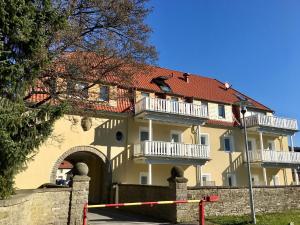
x,y
221,117
143,129
208,175
253,140
273,145
233,179
255,178
176,132
232,149
143,174
207,138
100,94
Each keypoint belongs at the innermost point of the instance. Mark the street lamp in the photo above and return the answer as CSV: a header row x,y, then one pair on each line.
x,y
243,104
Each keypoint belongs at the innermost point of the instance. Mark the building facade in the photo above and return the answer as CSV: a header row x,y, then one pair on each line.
x,y
171,118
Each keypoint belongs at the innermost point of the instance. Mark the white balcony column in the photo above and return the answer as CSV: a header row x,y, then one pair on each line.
x,y
150,131
261,141
199,134
199,175
293,149
150,174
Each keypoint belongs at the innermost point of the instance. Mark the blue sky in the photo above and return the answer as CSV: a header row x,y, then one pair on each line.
x,y
253,44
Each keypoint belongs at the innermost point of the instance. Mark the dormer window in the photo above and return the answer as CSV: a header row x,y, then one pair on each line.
x,y
104,94
174,99
161,83
145,94
77,89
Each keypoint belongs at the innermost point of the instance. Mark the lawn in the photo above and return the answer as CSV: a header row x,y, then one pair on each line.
x,y
265,219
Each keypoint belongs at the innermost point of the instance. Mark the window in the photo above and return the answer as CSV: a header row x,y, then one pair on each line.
x,y
221,109
228,144
175,136
144,134
104,93
231,180
206,179
271,145
160,82
204,140
251,144
143,178
174,99
119,136
255,179
78,89
145,94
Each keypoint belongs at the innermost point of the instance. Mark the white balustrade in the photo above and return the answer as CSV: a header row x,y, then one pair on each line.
x,y
274,156
171,149
271,121
173,107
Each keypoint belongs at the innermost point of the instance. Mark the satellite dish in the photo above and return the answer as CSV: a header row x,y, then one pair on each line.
x,y
227,85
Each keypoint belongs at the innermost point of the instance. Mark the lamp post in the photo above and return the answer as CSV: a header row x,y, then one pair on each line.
x,y
243,111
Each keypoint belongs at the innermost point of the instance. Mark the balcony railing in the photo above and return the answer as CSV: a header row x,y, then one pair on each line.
x,y
271,121
275,156
171,149
172,107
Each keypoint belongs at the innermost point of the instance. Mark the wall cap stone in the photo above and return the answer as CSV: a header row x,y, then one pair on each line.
x,y
242,187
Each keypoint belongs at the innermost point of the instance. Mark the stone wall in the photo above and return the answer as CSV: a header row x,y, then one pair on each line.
x,y
147,193
36,207
59,206
235,201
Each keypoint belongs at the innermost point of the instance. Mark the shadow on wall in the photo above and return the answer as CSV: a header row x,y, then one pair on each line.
x,y
111,133
232,169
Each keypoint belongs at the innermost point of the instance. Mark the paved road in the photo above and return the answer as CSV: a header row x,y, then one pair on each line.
x,y
114,216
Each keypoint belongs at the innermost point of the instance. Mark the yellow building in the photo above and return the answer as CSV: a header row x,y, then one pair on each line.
x,y
175,119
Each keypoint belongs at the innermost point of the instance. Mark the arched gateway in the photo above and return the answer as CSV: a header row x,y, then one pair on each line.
x,y
99,170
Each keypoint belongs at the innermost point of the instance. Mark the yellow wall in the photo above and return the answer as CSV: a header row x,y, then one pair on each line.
x,y
68,133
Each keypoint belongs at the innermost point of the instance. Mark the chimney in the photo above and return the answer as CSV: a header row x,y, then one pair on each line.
x,y
186,77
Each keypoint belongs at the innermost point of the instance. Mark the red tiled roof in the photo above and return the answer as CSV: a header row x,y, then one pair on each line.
x,y
65,165
199,87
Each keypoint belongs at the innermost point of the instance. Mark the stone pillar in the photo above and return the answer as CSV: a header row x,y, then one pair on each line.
x,y
178,186
80,193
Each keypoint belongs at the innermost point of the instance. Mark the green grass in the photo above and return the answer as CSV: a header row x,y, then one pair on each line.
x,y
264,219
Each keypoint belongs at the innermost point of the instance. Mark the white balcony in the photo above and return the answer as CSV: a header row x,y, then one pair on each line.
x,y
156,108
275,157
271,122
171,150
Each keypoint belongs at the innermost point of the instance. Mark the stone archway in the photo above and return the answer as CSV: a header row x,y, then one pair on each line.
x,y
99,171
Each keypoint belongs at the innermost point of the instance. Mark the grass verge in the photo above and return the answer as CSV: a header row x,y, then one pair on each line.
x,y
284,218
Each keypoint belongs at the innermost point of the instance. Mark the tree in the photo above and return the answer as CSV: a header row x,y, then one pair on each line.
x,y
45,43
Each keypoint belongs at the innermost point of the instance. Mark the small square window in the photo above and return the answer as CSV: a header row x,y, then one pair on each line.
x,y
221,109
204,139
143,178
104,93
144,135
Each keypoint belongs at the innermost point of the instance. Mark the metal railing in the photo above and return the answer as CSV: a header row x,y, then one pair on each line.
x,y
171,149
271,121
172,107
275,156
